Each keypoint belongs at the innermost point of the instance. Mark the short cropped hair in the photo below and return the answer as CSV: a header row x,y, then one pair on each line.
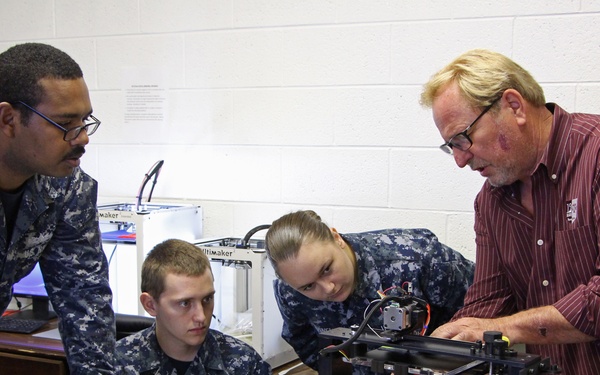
x,y
24,65
171,257
482,76
288,233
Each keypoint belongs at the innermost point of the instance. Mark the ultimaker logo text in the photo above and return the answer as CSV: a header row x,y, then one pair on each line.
x,y
216,252
108,215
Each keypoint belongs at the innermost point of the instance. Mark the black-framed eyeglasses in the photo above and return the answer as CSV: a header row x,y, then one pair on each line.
x,y
462,141
90,126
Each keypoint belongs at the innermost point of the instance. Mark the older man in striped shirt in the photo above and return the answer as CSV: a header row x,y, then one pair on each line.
x,y
536,217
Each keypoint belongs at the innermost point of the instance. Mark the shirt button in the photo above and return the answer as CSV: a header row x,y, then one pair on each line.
x,y
553,177
545,283
540,242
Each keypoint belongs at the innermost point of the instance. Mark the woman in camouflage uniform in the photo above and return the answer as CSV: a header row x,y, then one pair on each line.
x,y
328,279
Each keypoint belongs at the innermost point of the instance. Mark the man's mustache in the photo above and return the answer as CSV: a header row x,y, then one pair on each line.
x,y
77,152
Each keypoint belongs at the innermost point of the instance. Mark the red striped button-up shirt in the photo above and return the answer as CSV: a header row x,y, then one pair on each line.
x,y
552,258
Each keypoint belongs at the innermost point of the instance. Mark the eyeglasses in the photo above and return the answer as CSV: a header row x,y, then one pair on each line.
x,y
69,134
462,141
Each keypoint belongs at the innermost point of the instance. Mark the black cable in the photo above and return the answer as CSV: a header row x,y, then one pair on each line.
x,y
244,243
140,192
152,188
20,306
365,322
154,171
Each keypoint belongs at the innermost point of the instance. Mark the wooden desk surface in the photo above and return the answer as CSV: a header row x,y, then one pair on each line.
x,y
27,343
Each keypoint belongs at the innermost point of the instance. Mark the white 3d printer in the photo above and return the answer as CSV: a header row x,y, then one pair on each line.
x,y
245,304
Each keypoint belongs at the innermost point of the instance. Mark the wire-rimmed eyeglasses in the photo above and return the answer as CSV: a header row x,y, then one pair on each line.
x,y
90,127
462,141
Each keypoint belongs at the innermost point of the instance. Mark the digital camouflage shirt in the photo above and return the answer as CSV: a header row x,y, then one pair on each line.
x,y
57,225
220,354
385,258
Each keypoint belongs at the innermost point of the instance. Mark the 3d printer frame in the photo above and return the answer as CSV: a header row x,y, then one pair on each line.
x,y
398,350
412,354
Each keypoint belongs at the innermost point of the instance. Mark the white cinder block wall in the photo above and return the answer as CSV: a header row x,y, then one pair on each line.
x,y
276,105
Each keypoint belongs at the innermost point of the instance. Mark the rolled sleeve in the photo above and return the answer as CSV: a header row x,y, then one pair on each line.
x,y
581,307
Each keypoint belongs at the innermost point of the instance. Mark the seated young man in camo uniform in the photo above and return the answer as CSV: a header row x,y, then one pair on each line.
x,y
178,290
328,279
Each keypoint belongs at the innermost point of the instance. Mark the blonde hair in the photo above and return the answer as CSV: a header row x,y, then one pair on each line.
x,y
171,256
288,233
482,76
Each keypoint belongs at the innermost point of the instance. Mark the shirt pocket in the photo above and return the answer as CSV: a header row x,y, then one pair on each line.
x,y
576,256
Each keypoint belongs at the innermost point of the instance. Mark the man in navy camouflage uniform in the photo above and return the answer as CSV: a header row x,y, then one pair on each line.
x,y
329,279
178,290
48,205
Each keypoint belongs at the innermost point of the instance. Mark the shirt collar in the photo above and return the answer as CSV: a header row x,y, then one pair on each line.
x,y
553,156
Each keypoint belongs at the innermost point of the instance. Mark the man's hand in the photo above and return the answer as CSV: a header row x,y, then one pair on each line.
x,y
541,325
467,329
